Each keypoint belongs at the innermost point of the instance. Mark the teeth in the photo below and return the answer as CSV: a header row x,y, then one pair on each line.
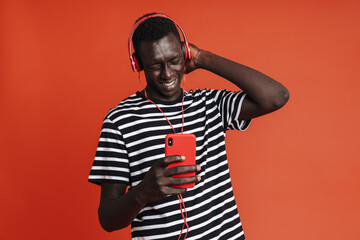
x,y
169,83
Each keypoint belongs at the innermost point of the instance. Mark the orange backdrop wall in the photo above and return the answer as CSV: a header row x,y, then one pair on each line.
x,y
63,64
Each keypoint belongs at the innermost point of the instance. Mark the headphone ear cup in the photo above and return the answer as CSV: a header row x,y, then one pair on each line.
x,y
138,64
185,51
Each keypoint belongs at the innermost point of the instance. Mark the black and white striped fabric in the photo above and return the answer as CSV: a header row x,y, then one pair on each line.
x,y
132,139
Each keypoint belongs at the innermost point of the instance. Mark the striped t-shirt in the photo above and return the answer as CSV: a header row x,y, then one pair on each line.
x,y
132,139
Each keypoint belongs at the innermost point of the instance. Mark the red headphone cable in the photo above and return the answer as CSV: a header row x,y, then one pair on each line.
x,y
184,216
181,200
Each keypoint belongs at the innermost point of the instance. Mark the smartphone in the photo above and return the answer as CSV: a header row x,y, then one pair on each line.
x,y
183,145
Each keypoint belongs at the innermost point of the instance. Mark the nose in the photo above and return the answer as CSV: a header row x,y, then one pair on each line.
x,y
167,72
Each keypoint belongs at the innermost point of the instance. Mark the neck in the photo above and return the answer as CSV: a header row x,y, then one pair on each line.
x,y
150,94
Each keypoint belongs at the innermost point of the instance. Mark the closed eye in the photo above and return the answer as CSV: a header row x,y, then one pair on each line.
x,y
176,61
156,67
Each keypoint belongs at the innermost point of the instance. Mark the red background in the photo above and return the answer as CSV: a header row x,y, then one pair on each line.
x,y
63,64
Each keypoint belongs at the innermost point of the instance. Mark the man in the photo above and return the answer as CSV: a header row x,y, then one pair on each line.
x,y
131,146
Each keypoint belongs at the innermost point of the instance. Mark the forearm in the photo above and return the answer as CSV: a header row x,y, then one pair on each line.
x,y
118,212
118,209
260,88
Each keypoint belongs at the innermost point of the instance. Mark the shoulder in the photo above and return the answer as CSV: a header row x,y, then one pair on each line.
x,y
129,104
199,93
210,96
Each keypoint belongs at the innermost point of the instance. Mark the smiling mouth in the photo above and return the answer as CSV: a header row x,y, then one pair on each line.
x,y
169,83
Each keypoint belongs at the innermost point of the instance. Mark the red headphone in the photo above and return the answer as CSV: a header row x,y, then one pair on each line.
x,y
135,63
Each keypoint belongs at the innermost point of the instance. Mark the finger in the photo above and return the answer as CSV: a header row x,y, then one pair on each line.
x,y
175,191
184,180
171,159
181,169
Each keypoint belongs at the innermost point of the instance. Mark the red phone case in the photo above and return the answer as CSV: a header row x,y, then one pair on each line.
x,y
183,145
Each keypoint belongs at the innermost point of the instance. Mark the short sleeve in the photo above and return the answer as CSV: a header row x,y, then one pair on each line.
x,y
111,162
229,104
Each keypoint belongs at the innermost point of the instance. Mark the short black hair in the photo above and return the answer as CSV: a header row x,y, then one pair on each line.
x,y
153,29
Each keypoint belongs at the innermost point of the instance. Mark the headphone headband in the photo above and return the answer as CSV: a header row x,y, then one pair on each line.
x,y
133,61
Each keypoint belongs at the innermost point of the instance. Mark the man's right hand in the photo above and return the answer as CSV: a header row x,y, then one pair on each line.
x,y
118,208
159,180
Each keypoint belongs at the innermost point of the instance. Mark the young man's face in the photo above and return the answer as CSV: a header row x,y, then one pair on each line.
x,y
163,64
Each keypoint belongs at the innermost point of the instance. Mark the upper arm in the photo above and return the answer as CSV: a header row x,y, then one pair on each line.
x,y
230,104
112,190
250,109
